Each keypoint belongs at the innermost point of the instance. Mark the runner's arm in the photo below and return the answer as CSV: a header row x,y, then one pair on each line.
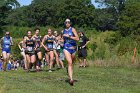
x,y
86,44
45,37
75,37
24,43
20,45
87,41
35,46
41,41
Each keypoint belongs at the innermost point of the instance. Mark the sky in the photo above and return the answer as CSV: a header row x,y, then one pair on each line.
x,y
24,2
27,2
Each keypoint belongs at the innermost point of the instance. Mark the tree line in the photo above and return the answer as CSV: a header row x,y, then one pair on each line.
x,y
118,15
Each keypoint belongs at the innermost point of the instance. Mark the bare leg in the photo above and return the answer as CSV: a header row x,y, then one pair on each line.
x,y
28,61
69,59
39,54
47,58
61,63
33,60
51,54
25,61
85,62
56,58
4,54
81,63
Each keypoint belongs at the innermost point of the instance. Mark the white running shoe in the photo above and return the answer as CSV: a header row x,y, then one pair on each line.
x,y
50,70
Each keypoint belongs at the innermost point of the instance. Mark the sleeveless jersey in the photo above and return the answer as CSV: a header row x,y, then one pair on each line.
x,y
6,43
50,42
67,41
30,44
38,40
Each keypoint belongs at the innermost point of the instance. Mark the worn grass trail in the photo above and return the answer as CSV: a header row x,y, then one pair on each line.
x,y
89,80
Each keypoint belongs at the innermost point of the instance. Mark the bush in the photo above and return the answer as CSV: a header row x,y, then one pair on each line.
x,y
19,32
108,47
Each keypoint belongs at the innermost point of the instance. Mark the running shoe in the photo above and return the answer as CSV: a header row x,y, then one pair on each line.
x,y
71,82
50,70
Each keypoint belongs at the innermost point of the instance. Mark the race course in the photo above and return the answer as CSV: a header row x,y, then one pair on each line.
x,y
88,80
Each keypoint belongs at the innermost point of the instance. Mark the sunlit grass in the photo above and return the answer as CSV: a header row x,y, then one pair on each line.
x,y
89,80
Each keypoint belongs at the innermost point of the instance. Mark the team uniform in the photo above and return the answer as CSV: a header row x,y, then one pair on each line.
x,y
50,43
69,44
82,52
6,44
38,40
30,44
38,49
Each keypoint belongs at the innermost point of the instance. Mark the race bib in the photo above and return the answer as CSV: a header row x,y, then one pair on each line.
x,y
7,46
50,46
30,49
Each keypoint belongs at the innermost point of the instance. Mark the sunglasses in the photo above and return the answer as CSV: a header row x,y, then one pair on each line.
x,y
67,22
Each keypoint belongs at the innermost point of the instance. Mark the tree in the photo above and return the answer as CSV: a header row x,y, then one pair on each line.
x,y
5,7
129,19
54,12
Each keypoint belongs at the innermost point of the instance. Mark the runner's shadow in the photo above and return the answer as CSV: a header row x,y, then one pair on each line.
x,y
33,71
67,80
48,70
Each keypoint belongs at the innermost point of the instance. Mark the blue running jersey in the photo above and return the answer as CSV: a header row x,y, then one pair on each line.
x,y
6,44
67,41
69,44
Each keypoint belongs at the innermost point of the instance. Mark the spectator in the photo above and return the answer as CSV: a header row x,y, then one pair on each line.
x,y
82,49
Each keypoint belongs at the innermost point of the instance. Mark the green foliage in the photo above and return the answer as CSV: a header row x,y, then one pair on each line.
x,y
15,50
113,39
122,17
19,32
53,13
108,46
129,21
5,7
106,19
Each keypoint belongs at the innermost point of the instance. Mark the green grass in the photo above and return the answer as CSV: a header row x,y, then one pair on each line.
x,y
89,80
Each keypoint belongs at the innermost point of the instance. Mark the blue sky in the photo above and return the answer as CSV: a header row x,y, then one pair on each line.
x,y
24,2
27,2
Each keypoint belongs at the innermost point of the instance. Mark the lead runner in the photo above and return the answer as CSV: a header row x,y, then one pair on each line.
x,y
70,37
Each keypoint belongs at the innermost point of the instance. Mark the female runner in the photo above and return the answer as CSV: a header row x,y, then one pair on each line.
x,y
30,48
38,48
49,39
70,37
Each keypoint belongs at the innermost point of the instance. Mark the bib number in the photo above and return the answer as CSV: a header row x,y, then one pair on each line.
x,y
50,46
7,46
30,49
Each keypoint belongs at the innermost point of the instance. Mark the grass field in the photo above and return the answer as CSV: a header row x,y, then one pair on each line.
x,y
89,80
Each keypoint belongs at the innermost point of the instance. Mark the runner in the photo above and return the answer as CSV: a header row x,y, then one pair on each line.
x,y
70,37
56,47
82,49
6,43
60,51
38,49
49,39
29,41
21,47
